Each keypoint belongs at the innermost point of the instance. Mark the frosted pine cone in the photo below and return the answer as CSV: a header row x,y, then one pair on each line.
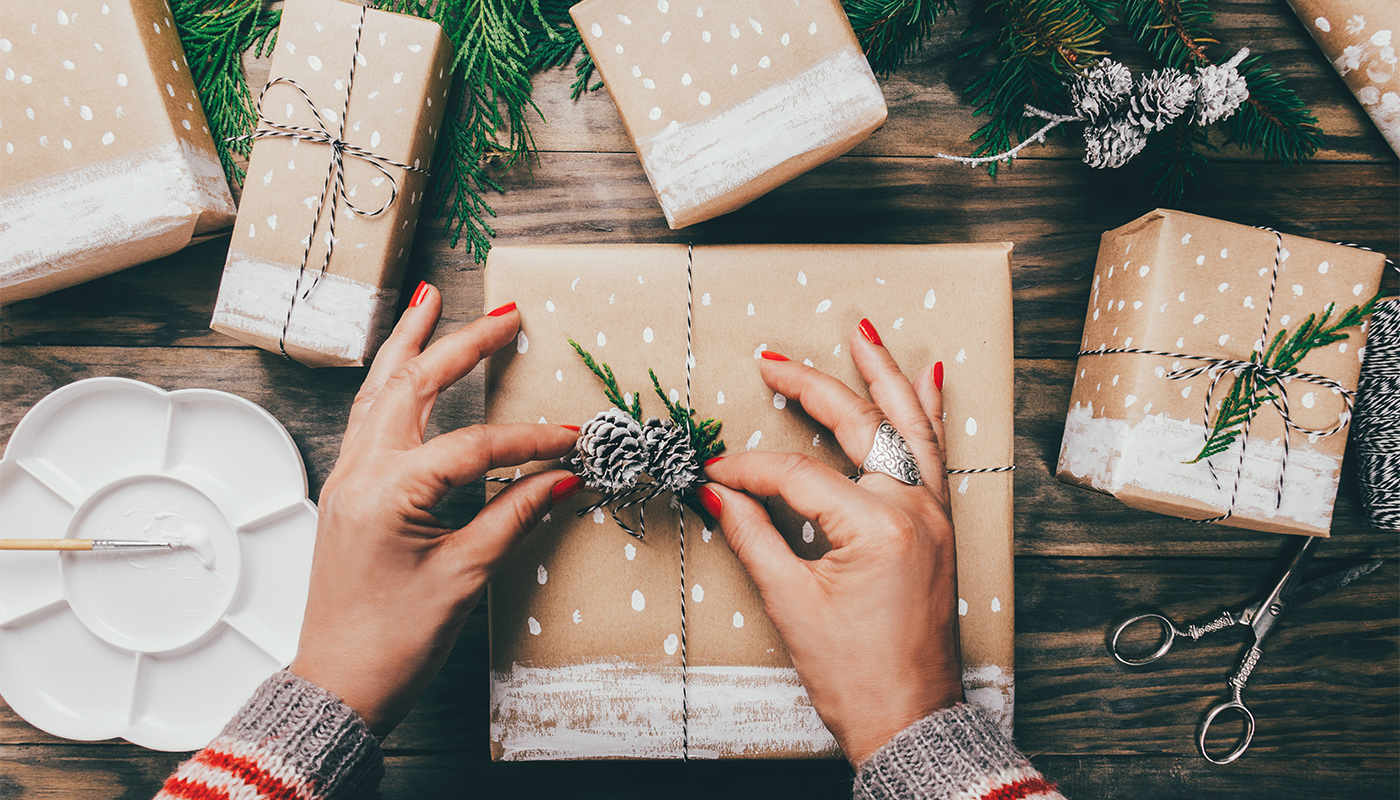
x,y
1160,98
1101,90
1220,90
1110,144
670,455
610,453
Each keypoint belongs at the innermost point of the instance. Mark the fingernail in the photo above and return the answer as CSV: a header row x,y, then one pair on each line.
x,y
772,356
713,460
418,294
938,375
566,488
503,310
868,331
573,428
710,500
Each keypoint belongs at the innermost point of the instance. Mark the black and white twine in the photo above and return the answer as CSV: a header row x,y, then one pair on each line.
x,y
333,192
1377,426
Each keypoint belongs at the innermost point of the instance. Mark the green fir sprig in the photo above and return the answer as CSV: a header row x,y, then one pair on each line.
x,y
1250,390
216,34
704,435
892,30
610,389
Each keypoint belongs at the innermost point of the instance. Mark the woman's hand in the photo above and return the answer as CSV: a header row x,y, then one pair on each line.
x,y
871,626
390,585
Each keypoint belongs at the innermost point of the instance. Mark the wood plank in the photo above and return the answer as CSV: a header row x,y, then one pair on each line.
x,y
1055,212
1325,688
929,112
1052,519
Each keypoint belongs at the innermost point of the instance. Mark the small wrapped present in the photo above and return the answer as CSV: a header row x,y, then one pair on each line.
x,y
107,158
347,125
1218,370
728,100
586,649
1359,37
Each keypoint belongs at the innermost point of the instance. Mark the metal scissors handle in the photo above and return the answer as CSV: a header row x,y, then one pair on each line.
x,y
1170,632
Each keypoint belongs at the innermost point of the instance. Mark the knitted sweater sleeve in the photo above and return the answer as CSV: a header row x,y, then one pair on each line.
x,y
953,754
292,740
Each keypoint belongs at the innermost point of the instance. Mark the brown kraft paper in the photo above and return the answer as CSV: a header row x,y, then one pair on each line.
x,y
585,620
402,75
727,100
1359,37
107,160
1187,284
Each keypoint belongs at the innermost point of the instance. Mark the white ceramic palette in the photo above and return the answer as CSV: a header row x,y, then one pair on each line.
x,y
157,647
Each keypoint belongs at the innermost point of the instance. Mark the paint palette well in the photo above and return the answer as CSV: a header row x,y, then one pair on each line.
x,y
157,647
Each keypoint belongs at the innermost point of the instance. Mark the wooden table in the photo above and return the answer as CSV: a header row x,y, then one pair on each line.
x,y
1326,692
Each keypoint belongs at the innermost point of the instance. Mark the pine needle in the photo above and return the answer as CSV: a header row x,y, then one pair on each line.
x,y
892,30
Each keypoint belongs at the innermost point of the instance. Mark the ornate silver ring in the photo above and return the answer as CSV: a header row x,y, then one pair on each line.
x,y
890,455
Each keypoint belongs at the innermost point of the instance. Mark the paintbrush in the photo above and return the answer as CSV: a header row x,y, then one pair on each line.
x,y
82,544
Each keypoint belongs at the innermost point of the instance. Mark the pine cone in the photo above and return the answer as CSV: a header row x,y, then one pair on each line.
x,y
670,455
1160,98
1220,90
610,454
1110,144
1101,90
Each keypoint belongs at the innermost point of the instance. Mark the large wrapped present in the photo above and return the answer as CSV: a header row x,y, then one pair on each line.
x,y
1359,37
107,159
727,100
347,125
586,621
1217,372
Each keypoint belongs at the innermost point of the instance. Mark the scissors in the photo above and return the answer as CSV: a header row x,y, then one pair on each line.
x,y
1260,617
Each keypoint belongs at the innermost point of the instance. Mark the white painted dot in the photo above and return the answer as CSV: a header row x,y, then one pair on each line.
x,y
1298,290
1224,337
705,534
898,324
5,45
930,298
802,277
1222,287
750,309
648,83
704,36
1129,400
636,71
1200,259
962,607
108,137
961,356
1356,290
812,28
597,29
824,306
1198,319
738,620
1115,380
779,401
578,616
971,426
1137,304
1180,342
648,335
252,231
522,343
697,593
63,19
186,124
655,112
996,604
598,516
786,40
1309,399
817,440
1181,298
685,79
638,602
1224,252
765,62
1121,303
734,30
624,19
618,49
1342,348
753,23
663,6
670,644
962,487
704,98
665,37
1323,267
542,575
534,626
754,440
630,551
398,77
272,221
719,398
808,532
1322,24
559,375
602,340
314,63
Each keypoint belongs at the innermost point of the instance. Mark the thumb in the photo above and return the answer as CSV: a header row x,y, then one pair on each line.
x,y
749,531
487,540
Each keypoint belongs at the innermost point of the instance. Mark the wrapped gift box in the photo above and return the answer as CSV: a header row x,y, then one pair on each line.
x,y
107,158
585,619
1195,291
728,100
1359,37
402,72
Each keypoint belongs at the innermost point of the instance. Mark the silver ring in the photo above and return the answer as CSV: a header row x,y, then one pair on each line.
x,y
891,455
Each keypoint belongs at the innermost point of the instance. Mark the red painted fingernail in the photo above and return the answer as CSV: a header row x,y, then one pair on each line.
x,y
566,488
573,428
418,294
772,356
503,310
713,460
710,500
868,331
938,375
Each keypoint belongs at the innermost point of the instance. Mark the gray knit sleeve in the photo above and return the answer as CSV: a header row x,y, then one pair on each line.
x,y
957,753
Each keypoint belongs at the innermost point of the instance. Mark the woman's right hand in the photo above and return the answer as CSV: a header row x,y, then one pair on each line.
x,y
872,625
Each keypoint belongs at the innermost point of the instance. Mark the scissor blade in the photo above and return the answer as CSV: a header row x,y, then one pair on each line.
x,y
1329,583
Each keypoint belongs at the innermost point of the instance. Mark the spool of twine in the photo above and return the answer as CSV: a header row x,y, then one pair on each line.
x,y
1376,426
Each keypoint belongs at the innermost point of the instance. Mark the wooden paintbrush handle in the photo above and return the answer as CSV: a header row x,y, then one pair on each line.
x,y
45,544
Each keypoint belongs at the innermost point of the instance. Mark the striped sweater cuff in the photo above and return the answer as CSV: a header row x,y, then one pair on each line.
x,y
292,740
953,754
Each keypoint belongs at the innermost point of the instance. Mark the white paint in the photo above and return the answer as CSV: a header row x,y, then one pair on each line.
x,y
751,309
630,551
314,63
1323,267
996,604
1322,24
578,616
779,401
56,222
648,335
522,343
1224,337
971,426
1152,453
993,690
802,277
738,620
671,644
705,534
602,340
697,593
542,575
638,601
704,98
598,516
1198,319
962,607
754,440
898,324
719,398
1200,260
930,298
705,299
824,306
706,159
753,23
559,375
534,626
1298,290
808,532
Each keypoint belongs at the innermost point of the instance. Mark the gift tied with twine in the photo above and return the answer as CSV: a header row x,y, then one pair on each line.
x,y
333,192
682,482
1264,377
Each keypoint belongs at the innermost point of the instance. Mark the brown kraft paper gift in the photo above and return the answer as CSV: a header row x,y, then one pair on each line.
x,y
107,158
585,620
1359,37
726,100
401,78
1185,284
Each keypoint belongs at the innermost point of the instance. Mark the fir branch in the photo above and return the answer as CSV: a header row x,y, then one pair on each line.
x,y
889,31
1274,120
554,43
704,435
610,390
1250,391
1175,32
215,35
1171,158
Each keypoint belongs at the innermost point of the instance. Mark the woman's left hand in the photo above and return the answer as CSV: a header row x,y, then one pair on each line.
x,y
390,585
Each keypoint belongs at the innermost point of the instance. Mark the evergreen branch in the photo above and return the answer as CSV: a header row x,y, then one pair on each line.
x,y
1174,31
215,35
554,43
610,390
1274,120
889,31
704,435
1170,160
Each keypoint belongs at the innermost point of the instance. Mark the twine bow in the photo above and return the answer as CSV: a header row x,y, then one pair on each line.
x,y
333,192
1261,376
